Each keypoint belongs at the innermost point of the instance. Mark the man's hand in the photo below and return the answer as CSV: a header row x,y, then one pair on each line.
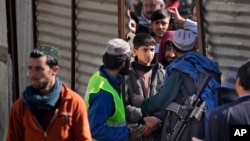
x,y
152,121
147,130
137,101
178,19
136,130
151,124
196,139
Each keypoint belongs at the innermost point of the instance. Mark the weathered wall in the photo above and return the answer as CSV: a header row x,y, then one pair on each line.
x,y
228,32
4,91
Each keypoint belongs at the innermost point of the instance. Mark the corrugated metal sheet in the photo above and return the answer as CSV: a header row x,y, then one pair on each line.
x,y
97,23
24,40
227,26
54,28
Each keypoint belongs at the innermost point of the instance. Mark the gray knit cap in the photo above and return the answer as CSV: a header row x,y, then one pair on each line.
x,y
117,47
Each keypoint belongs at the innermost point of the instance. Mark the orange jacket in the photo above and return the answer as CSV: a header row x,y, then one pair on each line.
x,y
69,123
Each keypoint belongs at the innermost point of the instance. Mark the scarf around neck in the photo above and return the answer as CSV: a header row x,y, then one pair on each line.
x,y
36,101
141,67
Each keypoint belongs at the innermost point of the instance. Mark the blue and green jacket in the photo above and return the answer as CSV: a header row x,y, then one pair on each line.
x,y
106,111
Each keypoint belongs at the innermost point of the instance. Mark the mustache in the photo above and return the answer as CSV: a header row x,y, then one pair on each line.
x,y
34,78
149,13
171,57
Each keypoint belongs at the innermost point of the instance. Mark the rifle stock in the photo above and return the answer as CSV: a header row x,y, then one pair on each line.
x,y
181,124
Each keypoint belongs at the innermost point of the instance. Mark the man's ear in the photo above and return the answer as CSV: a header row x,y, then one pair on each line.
x,y
123,64
239,89
162,6
134,51
238,84
55,69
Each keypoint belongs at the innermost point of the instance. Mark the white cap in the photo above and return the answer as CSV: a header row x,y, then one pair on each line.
x,y
184,39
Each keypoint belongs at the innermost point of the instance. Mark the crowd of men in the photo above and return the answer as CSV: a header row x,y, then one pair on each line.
x,y
152,86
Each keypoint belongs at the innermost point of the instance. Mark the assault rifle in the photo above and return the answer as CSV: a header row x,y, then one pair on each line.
x,y
189,109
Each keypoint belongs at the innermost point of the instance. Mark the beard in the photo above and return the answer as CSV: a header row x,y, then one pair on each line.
x,y
170,59
38,85
125,70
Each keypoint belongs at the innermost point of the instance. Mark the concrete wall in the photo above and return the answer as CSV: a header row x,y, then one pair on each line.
x,y
4,91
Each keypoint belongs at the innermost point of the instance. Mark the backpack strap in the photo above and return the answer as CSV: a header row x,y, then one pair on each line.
x,y
203,79
187,87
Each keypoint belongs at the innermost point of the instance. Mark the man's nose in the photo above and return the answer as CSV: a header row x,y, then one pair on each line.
x,y
172,54
32,73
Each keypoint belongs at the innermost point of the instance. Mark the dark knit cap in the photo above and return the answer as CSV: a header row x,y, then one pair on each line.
x,y
49,50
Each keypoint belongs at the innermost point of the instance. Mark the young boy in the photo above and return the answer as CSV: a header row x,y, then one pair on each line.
x,y
144,80
160,23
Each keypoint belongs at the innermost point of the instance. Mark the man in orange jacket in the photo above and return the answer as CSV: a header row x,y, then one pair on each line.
x,y
48,109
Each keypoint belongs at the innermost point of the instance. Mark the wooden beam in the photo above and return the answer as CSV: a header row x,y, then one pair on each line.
x,y
121,19
200,24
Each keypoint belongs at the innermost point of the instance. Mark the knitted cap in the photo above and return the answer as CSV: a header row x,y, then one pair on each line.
x,y
117,47
184,39
49,50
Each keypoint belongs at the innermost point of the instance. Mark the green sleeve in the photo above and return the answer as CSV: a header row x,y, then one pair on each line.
x,y
165,96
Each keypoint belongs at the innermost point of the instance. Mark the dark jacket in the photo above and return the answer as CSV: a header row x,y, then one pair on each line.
x,y
134,88
220,119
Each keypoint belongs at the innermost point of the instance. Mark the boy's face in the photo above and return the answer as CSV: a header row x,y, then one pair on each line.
x,y
160,27
145,54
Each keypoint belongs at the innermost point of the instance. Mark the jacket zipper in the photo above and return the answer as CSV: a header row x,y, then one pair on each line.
x,y
53,118
45,133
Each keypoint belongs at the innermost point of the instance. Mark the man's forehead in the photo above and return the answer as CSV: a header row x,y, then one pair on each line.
x,y
150,1
147,47
162,20
39,61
